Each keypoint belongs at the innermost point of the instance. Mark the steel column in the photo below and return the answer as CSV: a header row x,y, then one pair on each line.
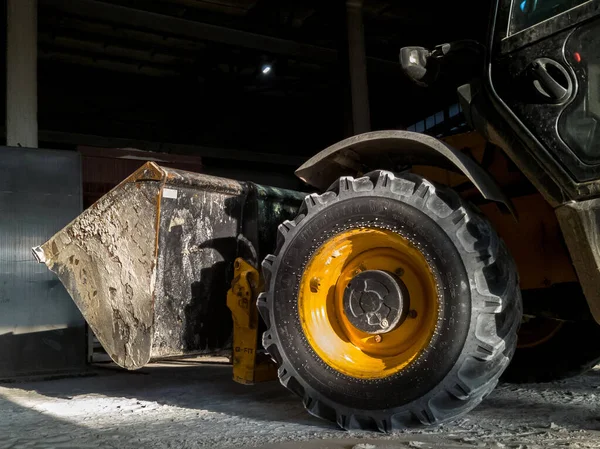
x,y
361,115
21,74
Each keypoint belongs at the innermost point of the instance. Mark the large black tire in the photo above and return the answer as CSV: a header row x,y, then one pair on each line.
x,y
570,351
479,304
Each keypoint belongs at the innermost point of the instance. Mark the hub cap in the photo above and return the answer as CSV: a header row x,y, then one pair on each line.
x,y
376,302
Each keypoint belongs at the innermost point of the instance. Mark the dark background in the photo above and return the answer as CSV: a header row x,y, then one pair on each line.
x,y
105,74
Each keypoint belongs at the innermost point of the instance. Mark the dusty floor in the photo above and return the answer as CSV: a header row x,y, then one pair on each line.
x,y
187,405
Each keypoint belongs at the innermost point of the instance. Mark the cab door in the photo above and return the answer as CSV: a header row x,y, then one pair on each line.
x,y
544,72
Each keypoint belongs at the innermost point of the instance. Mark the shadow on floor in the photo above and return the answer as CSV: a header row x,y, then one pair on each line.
x,y
23,427
210,388
191,386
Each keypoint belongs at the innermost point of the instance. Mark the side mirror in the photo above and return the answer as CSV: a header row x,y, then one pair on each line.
x,y
416,65
423,66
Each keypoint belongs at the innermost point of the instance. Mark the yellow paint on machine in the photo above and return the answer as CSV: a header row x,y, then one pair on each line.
x,y
535,241
248,366
320,303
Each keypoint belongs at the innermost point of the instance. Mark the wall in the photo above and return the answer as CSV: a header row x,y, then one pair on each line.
x,y
41,330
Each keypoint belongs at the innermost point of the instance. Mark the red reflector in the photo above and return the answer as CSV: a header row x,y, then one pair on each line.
x,y
577,57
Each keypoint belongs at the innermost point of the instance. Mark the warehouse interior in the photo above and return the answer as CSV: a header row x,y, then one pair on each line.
x,y
246,90
187,76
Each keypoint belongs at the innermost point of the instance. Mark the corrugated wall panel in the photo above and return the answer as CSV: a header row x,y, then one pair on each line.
x,y
41,330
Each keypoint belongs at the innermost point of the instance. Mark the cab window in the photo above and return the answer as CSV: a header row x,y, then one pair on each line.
x,y
526,13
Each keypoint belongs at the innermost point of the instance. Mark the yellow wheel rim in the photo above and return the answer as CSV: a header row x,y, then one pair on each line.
x,y
321,303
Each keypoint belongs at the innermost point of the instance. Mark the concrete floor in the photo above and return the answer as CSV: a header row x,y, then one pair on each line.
x,y
188,405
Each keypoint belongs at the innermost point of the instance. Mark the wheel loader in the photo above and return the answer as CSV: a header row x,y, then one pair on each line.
x,y
398,287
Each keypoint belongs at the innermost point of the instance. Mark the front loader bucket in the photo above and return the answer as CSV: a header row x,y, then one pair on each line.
x,y
150,263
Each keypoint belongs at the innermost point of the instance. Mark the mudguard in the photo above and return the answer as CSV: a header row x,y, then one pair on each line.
x,y
395,150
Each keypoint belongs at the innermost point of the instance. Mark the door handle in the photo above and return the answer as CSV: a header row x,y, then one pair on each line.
x,y
551,80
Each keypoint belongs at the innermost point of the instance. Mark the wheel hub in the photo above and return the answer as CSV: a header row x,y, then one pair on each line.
x,y
376,301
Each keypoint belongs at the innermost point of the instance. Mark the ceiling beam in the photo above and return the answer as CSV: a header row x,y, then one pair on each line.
x,y
175,148
168,25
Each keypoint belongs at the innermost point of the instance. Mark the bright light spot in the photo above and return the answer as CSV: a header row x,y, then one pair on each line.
x,y
523,5
266,69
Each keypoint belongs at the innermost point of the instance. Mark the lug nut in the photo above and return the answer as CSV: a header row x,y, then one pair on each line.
x,y
378,338
315,284
412,314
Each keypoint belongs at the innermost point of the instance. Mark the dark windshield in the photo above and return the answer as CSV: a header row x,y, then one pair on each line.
x,y
526,13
